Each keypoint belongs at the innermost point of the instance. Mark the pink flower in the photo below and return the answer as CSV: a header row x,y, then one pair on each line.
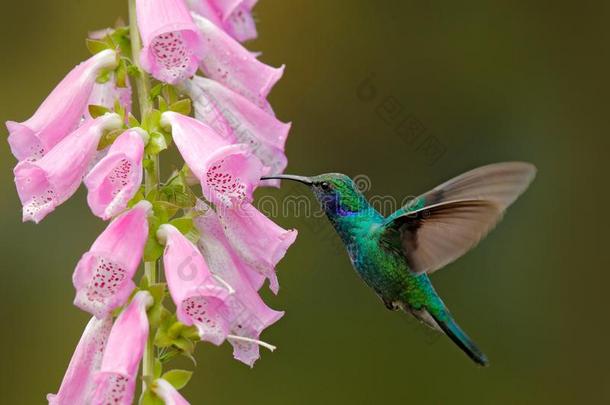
x,y
170,39
248,315
258,240
105,94
114,181
115,382
234,116
198,295
103,276
234,16
223,59
168,393
77,385
61,112
45,184
228,172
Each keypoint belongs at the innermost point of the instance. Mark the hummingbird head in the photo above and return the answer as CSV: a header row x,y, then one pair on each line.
x,y
337,193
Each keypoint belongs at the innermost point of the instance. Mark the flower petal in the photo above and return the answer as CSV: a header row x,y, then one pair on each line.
x,y
170,39
61,112
168,393
45,184
234,116
223,59
77,385
115,179
115,382
103,276
228,172
258,240
248,315
199,298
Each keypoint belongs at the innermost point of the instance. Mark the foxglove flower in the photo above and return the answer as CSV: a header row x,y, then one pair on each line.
x,y
103,276
61,112
115,382
45,184
106,94
234,116
77,385
228,172
171,39
234,16
259,241
223,59
248,315
168,393
114,180
200,298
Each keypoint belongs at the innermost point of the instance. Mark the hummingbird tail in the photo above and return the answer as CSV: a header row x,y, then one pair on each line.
x,y
460,338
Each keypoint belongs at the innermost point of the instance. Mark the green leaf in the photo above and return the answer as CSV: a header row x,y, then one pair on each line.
x,y
157,314
133,71
184,344
157,291
121,75
152,121
94,46
149,398
184,224
158,368
132,121
156,91
118,108
165,210
104,77
162,339
136,198
170,94
97,110
152,195
156,144
153,249
178,378
108,138
183,106
162,104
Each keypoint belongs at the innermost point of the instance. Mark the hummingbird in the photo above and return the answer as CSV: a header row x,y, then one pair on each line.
x,y
395,255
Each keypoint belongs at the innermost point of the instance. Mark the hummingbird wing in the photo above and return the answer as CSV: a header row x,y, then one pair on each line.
x,y
443,224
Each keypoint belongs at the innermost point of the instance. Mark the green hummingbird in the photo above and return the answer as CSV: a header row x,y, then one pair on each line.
x,y
395,255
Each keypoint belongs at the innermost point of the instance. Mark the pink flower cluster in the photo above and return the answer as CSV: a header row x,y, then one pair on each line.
x,y
233,140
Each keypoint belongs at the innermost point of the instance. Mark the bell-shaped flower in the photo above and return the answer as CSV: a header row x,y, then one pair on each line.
x,y
78,383
200,297
248,315
116,178
233,16
168,393
103,276
61,112
48,182
228,172
116,380
225,60
259,241
170,38
234,116
108,93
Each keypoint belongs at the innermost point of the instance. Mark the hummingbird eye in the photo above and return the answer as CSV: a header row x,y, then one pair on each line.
x,y
325,186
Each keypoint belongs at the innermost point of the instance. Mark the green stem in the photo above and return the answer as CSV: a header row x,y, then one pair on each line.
x,y
151,176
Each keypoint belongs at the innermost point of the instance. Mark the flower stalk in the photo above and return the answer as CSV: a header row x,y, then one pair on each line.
x,y
151,174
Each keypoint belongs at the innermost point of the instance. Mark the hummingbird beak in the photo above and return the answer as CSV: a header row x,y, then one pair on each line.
x,y
301,179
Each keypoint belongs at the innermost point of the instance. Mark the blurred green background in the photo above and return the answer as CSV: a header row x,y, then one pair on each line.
x,y
475,82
